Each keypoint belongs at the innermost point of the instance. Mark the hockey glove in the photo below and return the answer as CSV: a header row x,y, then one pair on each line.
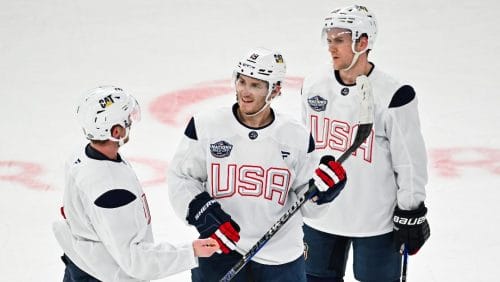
x,y
330,179
210,220
411,229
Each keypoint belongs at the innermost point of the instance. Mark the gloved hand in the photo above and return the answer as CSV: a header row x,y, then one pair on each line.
x,y
411,229
330,179
210,220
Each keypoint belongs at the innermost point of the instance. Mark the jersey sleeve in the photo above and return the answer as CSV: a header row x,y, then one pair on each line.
x,y
305,170
187,172
407,147
121,222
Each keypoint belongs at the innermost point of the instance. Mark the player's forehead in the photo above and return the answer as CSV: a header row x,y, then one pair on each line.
x,y
334,32
249,79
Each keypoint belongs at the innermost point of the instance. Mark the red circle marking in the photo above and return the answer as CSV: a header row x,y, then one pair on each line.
x,y
168,107
26,176
159,170
449,162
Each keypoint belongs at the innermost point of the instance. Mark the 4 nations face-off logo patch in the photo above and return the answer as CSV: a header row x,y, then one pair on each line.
x,y
221,149
317,103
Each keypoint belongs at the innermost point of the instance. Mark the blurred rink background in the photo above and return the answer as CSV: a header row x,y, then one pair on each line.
x,y
177,58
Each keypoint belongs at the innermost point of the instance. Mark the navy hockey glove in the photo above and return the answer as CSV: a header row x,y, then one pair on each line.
x,y
210,220
330,179
411,229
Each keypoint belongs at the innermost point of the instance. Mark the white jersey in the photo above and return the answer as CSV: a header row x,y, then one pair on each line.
x,y
107,231
389,167
256,174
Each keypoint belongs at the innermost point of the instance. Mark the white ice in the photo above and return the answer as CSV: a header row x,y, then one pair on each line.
x,y
53,50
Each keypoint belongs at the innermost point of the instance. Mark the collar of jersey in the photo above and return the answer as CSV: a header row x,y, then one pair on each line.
x,y
341,82
96,155
235,107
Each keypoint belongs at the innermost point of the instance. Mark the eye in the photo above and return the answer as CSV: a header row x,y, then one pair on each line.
x,y
257,86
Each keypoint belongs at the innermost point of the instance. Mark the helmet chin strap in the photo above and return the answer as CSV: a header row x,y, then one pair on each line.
x,y
267,104
356,55
121,141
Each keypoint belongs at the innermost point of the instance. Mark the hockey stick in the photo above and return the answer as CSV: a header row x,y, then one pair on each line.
x,y
364,130
405,264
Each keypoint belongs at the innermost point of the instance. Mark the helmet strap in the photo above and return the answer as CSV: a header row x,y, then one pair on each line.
x,y
121,141
267,104
356,55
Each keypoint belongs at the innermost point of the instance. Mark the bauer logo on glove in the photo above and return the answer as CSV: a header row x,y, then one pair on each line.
x,y
411,229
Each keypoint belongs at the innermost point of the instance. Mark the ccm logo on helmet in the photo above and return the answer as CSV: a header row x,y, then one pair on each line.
x,y
409,221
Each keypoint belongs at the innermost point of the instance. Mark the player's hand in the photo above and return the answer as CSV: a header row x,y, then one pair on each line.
x,y
205,247
210,220
411,229
330,178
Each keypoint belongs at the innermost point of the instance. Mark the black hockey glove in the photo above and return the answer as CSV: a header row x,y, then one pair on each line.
x,y
210,220
329,178
411,229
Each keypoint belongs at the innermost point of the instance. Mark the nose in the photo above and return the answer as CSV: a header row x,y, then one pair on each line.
x,y
331,47
242,90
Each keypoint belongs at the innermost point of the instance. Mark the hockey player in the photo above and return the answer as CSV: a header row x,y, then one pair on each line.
x,y
388,172
238,169
106,234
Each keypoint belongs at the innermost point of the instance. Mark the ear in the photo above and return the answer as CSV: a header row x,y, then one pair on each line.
x,y
276,91
116,131
362,43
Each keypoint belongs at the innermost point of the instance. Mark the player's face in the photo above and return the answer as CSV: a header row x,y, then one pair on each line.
x,y
251,93
339,42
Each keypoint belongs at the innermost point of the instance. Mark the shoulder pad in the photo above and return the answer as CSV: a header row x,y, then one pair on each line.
x,y
403,96
190,131
115,198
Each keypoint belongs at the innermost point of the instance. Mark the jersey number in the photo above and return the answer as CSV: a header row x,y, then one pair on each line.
x,y
145,205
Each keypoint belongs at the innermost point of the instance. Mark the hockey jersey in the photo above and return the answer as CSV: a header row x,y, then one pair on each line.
x,y
256,174
107,231
389,167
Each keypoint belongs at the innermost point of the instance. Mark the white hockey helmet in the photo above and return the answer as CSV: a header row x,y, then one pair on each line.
x,y
263,64
104,107
355,18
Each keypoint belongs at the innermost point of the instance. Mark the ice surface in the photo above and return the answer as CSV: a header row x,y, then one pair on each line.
x,y
177,57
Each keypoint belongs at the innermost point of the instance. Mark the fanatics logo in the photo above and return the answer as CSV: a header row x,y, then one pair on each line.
x,y
317,103
285,154
221,149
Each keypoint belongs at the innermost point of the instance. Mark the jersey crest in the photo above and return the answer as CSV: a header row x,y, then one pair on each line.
x,y
221,149
317,103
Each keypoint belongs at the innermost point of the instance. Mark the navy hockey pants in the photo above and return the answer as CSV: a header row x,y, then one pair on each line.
x,y
74,274
215,267
375,259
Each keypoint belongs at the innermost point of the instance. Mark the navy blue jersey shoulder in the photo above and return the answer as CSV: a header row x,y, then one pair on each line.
x,y
311,144
403,96
115,198
190,131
